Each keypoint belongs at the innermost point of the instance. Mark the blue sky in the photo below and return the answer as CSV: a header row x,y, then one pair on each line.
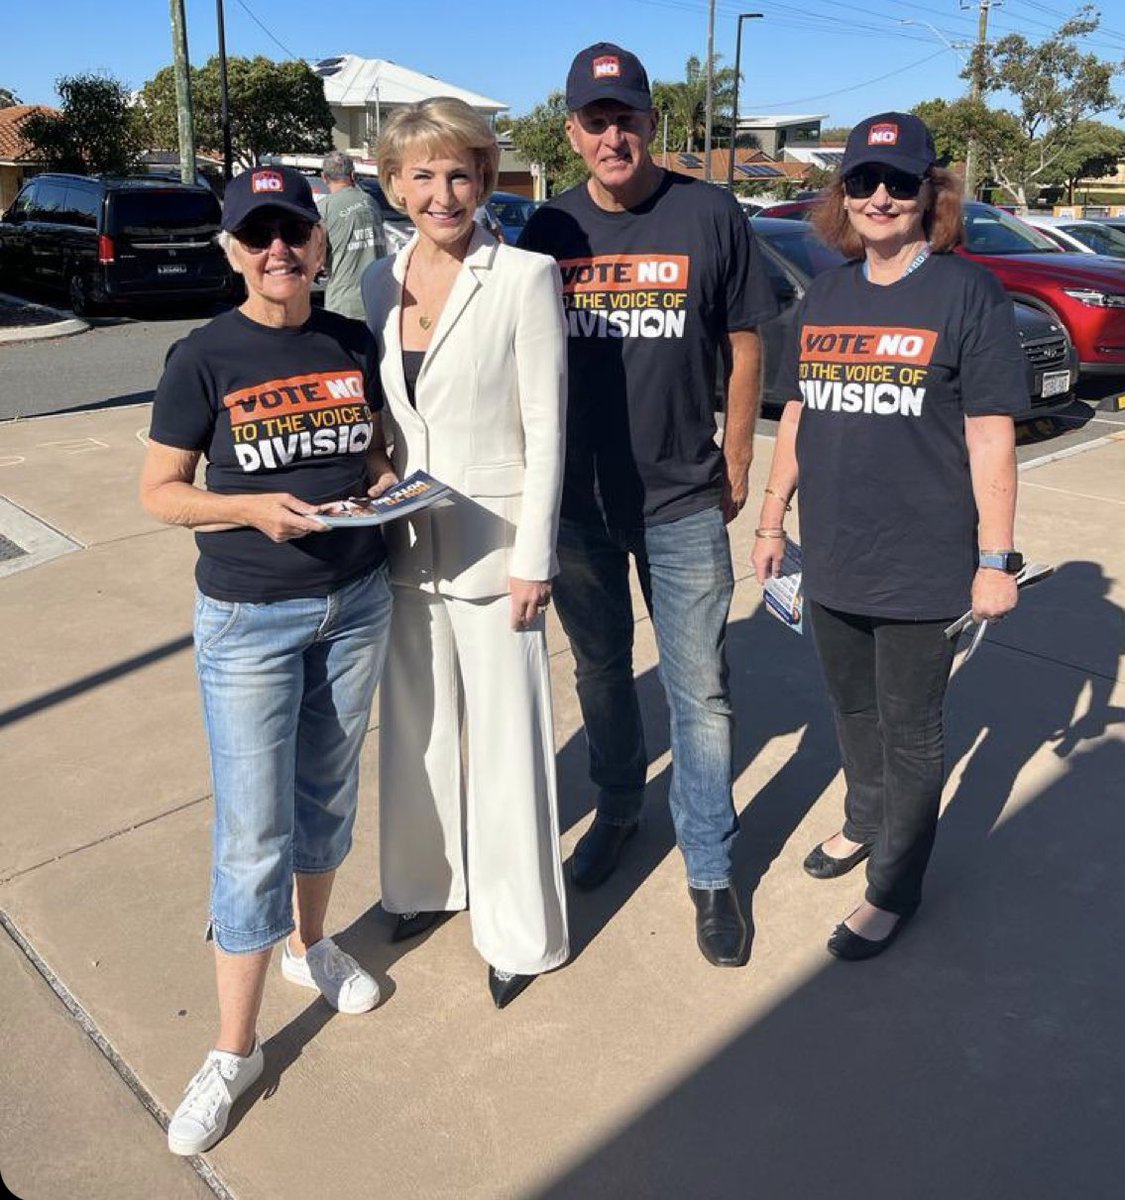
x,y
844,59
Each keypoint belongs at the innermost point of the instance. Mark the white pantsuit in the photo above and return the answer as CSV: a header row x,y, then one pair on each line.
x,y
489,421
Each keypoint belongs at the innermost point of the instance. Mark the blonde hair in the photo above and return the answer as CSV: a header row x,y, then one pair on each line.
x,y
440,123
942,221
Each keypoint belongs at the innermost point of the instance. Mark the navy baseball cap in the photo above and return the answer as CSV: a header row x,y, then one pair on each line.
x,y
892,139
267,187
606,72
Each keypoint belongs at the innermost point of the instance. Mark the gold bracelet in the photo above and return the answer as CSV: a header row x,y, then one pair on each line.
x,y
769,533
778,496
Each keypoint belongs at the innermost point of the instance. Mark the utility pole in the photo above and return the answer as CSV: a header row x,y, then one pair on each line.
x,y
975,89
183,92
710,102
224,105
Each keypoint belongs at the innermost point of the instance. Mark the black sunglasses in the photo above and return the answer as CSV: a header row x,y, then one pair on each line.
x,y
259,235
864,182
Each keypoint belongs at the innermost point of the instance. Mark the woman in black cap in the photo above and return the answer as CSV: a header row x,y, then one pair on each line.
x,y
291,619
905,370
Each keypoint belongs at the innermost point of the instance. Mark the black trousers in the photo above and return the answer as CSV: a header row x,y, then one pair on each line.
x,y
887,681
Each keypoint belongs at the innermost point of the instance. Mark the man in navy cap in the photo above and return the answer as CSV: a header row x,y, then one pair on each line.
x,y
661,281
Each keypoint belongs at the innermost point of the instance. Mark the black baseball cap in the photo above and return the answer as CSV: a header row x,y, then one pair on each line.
x,y
267,187
893,139
604,71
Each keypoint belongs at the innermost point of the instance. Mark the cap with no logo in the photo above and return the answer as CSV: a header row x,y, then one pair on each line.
x,y
267,187
893,139
604,71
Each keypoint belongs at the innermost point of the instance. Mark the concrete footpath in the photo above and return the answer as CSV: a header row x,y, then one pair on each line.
x,y
980,1060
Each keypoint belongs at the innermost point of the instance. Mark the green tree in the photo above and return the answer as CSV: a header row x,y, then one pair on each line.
x,y
1054,86
1094,151
8,98
97,129
835,133
684,103
540,137
275,108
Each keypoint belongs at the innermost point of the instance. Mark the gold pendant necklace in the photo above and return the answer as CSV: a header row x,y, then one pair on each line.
x,y
424,321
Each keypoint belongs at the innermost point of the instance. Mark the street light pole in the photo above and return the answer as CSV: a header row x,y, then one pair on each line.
x,y
224,108
709,104
737,80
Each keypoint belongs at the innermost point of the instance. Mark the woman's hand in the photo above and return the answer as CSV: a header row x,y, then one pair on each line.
x,y
280,516
530,597
766,557
994,594
383,479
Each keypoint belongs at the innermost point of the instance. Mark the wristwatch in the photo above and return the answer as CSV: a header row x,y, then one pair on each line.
x,y
1008,561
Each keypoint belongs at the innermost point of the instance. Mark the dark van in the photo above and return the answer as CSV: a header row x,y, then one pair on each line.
x,y
103,240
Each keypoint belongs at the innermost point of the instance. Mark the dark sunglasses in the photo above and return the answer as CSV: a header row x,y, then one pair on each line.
x,y
864,182
259,235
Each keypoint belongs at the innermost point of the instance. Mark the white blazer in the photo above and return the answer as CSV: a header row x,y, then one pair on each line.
x,y
490,419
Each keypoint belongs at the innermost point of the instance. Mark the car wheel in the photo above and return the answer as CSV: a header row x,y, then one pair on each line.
x,y
79,294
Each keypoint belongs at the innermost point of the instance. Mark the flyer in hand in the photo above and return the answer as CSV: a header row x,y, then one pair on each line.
x,y
412,494
783,595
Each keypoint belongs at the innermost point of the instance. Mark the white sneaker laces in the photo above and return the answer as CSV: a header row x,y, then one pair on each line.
x,y
338,966
207,1091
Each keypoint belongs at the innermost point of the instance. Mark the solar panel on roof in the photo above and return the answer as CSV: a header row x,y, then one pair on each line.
x,y
759,170
830,158
690,160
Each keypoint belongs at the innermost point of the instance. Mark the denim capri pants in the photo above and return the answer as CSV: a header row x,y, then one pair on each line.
x,y
287,689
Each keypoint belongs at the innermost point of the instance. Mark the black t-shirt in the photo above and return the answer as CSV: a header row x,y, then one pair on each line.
x,y
649,294
275,410
887,375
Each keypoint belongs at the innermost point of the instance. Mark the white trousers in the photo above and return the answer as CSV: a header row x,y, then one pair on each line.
x,y
493,841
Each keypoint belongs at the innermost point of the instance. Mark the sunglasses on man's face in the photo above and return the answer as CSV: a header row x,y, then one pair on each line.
x,y
259,235
864,182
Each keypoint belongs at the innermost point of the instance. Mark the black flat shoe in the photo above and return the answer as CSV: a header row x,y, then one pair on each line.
x,y
598,852
411,924
505,988
720,928
845,943
822,865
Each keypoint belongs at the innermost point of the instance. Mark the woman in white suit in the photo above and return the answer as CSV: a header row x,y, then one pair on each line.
x,y
473,362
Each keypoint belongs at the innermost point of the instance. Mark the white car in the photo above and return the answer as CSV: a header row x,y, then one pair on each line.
x,y
1079,235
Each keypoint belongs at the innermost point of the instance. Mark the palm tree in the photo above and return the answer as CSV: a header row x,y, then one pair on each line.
x,y
685,103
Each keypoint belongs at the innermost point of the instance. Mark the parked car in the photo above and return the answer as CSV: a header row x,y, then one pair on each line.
x,y
1079,235
103,240
1085,293
793,255
512,213
396,225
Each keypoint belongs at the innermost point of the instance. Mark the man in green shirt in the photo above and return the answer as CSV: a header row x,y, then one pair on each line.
x,y
355,235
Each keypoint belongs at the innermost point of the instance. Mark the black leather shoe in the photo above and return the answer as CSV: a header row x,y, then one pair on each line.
x,y
505,988
411,924
822,865
720,928
597,853
845,943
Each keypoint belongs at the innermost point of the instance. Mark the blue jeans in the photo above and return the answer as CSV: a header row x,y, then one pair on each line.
x,y
287,690
687,581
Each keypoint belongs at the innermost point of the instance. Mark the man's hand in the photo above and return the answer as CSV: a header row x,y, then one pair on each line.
x,y
530,597
382,480
736,485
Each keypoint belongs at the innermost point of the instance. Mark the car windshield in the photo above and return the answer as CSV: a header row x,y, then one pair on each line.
x,y
512,212
798,245
141,212
1102,239
993,231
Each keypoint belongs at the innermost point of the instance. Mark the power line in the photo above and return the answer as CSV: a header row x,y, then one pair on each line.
x,y
856,86
247,10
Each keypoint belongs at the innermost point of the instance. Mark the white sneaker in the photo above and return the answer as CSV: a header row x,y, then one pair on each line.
x,y
201,1119
337,976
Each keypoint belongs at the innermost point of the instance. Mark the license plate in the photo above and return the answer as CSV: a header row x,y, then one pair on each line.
x,y
1055,383
181,269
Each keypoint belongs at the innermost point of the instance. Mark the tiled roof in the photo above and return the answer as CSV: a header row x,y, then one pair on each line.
x,y
764,167
12,146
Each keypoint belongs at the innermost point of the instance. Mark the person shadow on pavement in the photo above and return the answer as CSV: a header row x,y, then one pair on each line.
x,y
776,690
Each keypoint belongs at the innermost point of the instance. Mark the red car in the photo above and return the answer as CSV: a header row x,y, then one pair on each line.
x,y
1083,292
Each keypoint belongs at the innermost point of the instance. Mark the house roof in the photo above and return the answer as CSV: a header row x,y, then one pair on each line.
x,y
781,121
354,82
750,166
13,148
